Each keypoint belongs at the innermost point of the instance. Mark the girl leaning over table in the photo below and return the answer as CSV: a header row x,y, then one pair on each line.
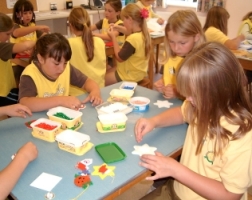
x,y
217,154
132,58
45,83
183,33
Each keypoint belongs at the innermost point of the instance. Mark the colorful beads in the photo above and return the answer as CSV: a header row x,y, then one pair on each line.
x,y
46,126
62,115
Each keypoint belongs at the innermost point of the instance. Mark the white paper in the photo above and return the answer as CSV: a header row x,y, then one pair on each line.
x,y
153,25
46,181
10,3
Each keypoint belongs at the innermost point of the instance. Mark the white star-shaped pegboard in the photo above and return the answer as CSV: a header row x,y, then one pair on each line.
x,y
163,104
144,149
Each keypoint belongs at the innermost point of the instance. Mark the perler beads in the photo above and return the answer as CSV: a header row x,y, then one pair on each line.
x,y
62,115
82,181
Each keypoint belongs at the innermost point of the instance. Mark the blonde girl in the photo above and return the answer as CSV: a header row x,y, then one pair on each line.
x,y
217,152
215,28
88,52
132,58
246,26
183,33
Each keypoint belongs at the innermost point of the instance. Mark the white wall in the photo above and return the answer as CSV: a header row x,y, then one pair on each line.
x,y
44,5
237,9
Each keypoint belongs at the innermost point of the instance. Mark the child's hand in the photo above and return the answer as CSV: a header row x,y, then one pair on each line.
x,y
93,97
43,28
160,21
28,152
110,32
158,85
16,110
142,127
161,165
115,27
170,92
71,102
242,37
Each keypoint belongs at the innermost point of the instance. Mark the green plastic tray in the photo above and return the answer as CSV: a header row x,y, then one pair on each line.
x,y
110,152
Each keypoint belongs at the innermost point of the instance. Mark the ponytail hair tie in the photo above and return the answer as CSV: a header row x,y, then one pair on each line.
x,y
144,13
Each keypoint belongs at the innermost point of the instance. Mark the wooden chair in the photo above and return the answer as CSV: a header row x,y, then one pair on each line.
x,y
145,83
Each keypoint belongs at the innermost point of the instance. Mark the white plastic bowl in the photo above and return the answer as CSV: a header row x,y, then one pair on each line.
x,y
140,104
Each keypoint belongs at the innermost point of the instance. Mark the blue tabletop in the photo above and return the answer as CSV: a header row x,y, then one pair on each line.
x,y
52,160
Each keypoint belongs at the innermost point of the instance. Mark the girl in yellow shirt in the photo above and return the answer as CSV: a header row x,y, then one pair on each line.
x,y
132,58
217,153
183,33
8,87
112,16
24,29
88,51
246,26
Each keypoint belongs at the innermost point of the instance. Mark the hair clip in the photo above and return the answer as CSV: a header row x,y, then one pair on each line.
x,y
144,13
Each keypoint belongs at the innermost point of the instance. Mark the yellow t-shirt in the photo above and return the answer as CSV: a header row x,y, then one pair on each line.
x,y
95,69
47,88
247,21
136,66
233,169
7,78
105,28
31,36
170,68
215,35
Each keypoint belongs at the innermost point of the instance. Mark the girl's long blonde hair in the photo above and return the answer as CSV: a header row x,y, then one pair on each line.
x,y
134,11
218,18
213,77
184,23
80,21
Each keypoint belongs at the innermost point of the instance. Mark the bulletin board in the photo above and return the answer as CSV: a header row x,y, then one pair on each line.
x,y
6,10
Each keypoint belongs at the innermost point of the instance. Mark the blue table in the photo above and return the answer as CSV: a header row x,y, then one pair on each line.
x,y
54,161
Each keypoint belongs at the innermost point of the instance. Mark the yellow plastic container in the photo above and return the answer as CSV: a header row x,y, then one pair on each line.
x,y
74,142
44,134
113,121
73,121
120,95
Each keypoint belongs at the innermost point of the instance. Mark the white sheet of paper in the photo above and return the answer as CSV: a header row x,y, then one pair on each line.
x,y
46,181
